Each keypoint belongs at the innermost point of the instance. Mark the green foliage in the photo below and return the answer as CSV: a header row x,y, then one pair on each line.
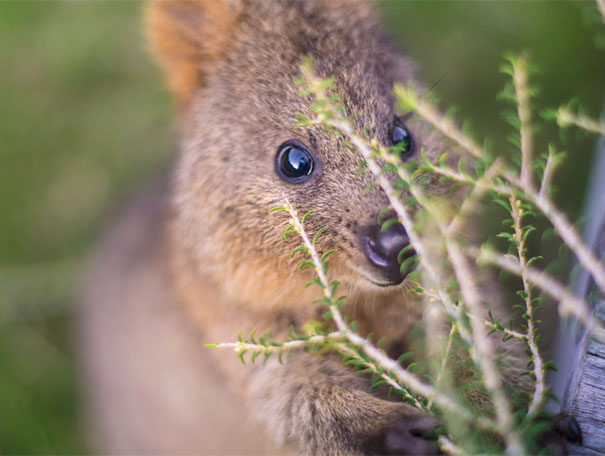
x,y
83,120
448,287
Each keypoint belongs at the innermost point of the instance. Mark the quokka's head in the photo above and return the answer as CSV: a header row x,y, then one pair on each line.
x,y
232,65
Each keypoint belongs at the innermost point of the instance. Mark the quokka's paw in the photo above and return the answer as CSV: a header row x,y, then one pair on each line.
x,y
405,434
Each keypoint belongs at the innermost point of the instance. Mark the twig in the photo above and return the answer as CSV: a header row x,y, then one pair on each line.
x,y
547,175
522,92
539,393
470,203
568,233
404,377
450,447
509,332
568,303
601,5
384,375
444,359
444,124
481,352
483,348
559,221
565,118
245,346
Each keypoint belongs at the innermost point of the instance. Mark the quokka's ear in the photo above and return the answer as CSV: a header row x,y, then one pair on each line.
x,y
189,38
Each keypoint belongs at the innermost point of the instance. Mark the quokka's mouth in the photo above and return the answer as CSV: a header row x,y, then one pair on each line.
x,y
386,284
378,279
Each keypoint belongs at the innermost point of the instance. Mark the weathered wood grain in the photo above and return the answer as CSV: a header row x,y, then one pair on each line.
x,y
586,399
580,357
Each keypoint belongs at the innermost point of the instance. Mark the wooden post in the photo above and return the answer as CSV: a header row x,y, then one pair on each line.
x,y
579,357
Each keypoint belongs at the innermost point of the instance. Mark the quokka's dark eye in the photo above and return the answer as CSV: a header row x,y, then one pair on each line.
x,y
402,138
294,163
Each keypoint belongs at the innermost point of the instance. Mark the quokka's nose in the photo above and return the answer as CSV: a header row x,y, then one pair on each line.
x,y
382,249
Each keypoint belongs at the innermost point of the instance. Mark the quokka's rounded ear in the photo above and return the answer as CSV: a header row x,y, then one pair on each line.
x,y
190,38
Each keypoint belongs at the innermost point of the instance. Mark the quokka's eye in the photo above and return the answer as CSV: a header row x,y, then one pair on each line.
x,y
294,163
402,138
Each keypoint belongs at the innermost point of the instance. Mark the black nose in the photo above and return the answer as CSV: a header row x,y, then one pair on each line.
x,y
383,247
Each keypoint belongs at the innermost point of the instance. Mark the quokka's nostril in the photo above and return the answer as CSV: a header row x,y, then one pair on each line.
x,y
382,249
391,241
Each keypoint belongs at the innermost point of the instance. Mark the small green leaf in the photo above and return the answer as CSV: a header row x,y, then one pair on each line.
x,y
527,231
240,355
327,254
533,259
408,262
251,337
278,208
404,357
383,213
319,231
314,281
306,263
377,384
300,248
390,222
502,203
254,355
304,217
404,251
506,235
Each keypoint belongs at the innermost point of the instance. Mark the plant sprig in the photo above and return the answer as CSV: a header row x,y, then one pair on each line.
x,y
445,273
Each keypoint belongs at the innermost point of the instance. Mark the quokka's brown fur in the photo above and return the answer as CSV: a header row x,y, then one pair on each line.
x,y
197,258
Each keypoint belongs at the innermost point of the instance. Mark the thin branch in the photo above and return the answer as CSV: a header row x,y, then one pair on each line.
x,y
481,352
384,375
446,125
245,346
483,348
450,447
522,94
539,393
601,5
509,332
568,233
568,303
484,184
565,118
564,228
444,359
547,175
470,203
559,221
404,377
434,277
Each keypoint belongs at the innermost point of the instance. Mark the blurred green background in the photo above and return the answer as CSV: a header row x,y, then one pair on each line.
x,y
84,120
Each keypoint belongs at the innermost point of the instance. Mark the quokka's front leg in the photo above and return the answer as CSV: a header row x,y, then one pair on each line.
x,y
315,405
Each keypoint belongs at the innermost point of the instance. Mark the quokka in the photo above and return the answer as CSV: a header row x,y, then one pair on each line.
x,y
196,258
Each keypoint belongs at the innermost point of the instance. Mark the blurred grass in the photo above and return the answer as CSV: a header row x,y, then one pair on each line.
x,y
84,119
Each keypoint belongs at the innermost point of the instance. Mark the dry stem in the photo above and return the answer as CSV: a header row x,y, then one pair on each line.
x,y
539,369
565,117
568,303
406,378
